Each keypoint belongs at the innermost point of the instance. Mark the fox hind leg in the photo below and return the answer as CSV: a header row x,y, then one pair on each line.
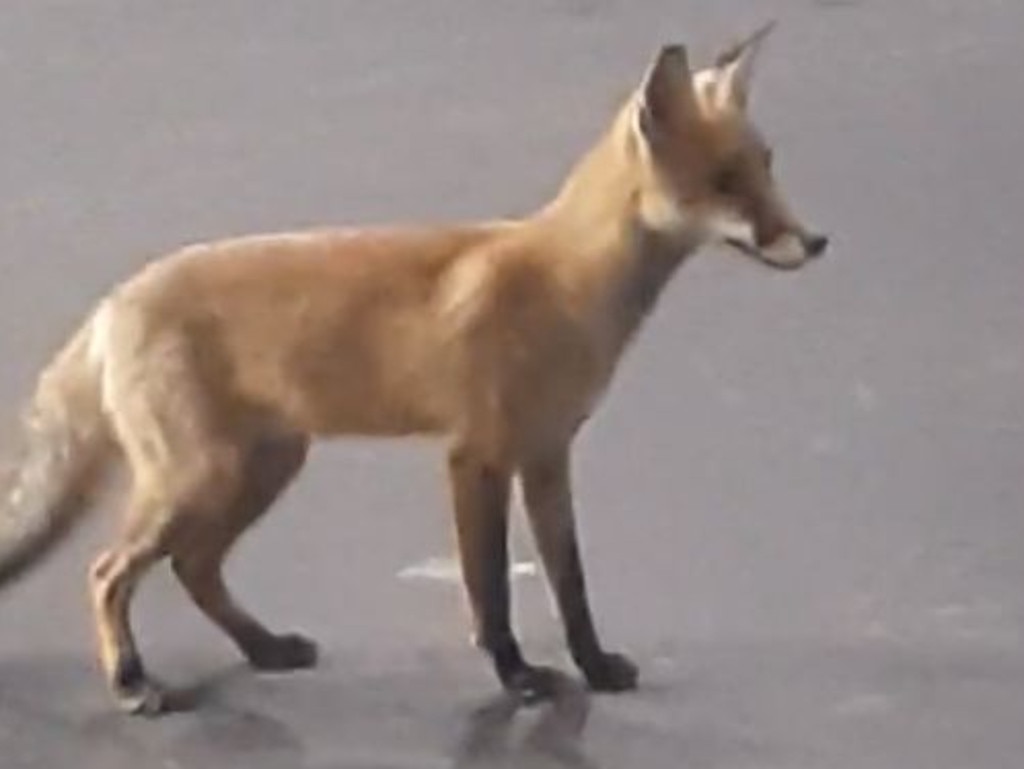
x,y
150,522
197,559
185,466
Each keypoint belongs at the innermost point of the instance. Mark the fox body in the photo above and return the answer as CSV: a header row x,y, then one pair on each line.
x,y
209,373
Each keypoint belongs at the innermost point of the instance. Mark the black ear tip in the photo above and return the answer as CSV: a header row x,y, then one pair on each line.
x,y
734,51
672,52
765,29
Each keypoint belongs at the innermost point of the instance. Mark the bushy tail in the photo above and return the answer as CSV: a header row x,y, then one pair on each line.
x,y
64,448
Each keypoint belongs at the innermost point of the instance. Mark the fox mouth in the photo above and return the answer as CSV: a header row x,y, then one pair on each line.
x,y
742,246
747,249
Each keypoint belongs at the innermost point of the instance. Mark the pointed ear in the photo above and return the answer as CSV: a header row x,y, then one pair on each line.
x,y
666,93
735,67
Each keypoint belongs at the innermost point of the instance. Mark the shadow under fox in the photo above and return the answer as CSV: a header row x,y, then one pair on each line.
x,y
209,373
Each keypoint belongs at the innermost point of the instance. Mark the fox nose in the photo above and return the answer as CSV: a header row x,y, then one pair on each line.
x,y
815,245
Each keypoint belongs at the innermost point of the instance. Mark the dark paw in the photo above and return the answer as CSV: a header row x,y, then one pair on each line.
x,y
611,673
532,684
133,691
144,698
281,653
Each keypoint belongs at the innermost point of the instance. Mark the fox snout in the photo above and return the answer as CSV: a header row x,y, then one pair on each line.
x,y
787,247
779,237
815,244
791,248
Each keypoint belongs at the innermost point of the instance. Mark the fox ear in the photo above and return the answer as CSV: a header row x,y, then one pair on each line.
x,y
735,67
666,93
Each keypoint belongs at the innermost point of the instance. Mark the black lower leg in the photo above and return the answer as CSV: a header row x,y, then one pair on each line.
x,y
571,590
133,690
506,657
529,682
603,671
547,491
481,515
493,601
129,673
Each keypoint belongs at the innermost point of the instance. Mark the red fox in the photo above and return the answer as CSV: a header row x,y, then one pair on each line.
x,y
208,373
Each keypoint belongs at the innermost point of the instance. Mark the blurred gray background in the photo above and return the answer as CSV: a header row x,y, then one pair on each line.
x,y
803,501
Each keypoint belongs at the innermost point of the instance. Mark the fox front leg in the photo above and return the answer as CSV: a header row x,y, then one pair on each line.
x,y
547,492
480,497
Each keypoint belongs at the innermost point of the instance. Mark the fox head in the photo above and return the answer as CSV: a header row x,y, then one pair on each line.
x,y
711,168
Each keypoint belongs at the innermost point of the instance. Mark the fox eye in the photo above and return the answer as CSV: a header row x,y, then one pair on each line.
x,y
726,181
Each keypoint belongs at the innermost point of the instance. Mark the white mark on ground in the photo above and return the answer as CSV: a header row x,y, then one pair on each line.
x,y
446,569
976,620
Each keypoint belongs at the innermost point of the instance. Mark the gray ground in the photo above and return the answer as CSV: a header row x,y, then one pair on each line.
x,y
803,502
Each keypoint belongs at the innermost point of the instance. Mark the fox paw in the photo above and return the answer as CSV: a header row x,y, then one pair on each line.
x,y
133,691
611,673
144,699
532,684
282,653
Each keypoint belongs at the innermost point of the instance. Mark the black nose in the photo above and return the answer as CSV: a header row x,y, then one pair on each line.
x,y
815,245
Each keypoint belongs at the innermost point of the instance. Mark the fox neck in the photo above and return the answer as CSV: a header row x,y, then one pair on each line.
x,y
622,241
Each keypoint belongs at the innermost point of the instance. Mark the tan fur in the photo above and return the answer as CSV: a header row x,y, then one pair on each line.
x,y
212,369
